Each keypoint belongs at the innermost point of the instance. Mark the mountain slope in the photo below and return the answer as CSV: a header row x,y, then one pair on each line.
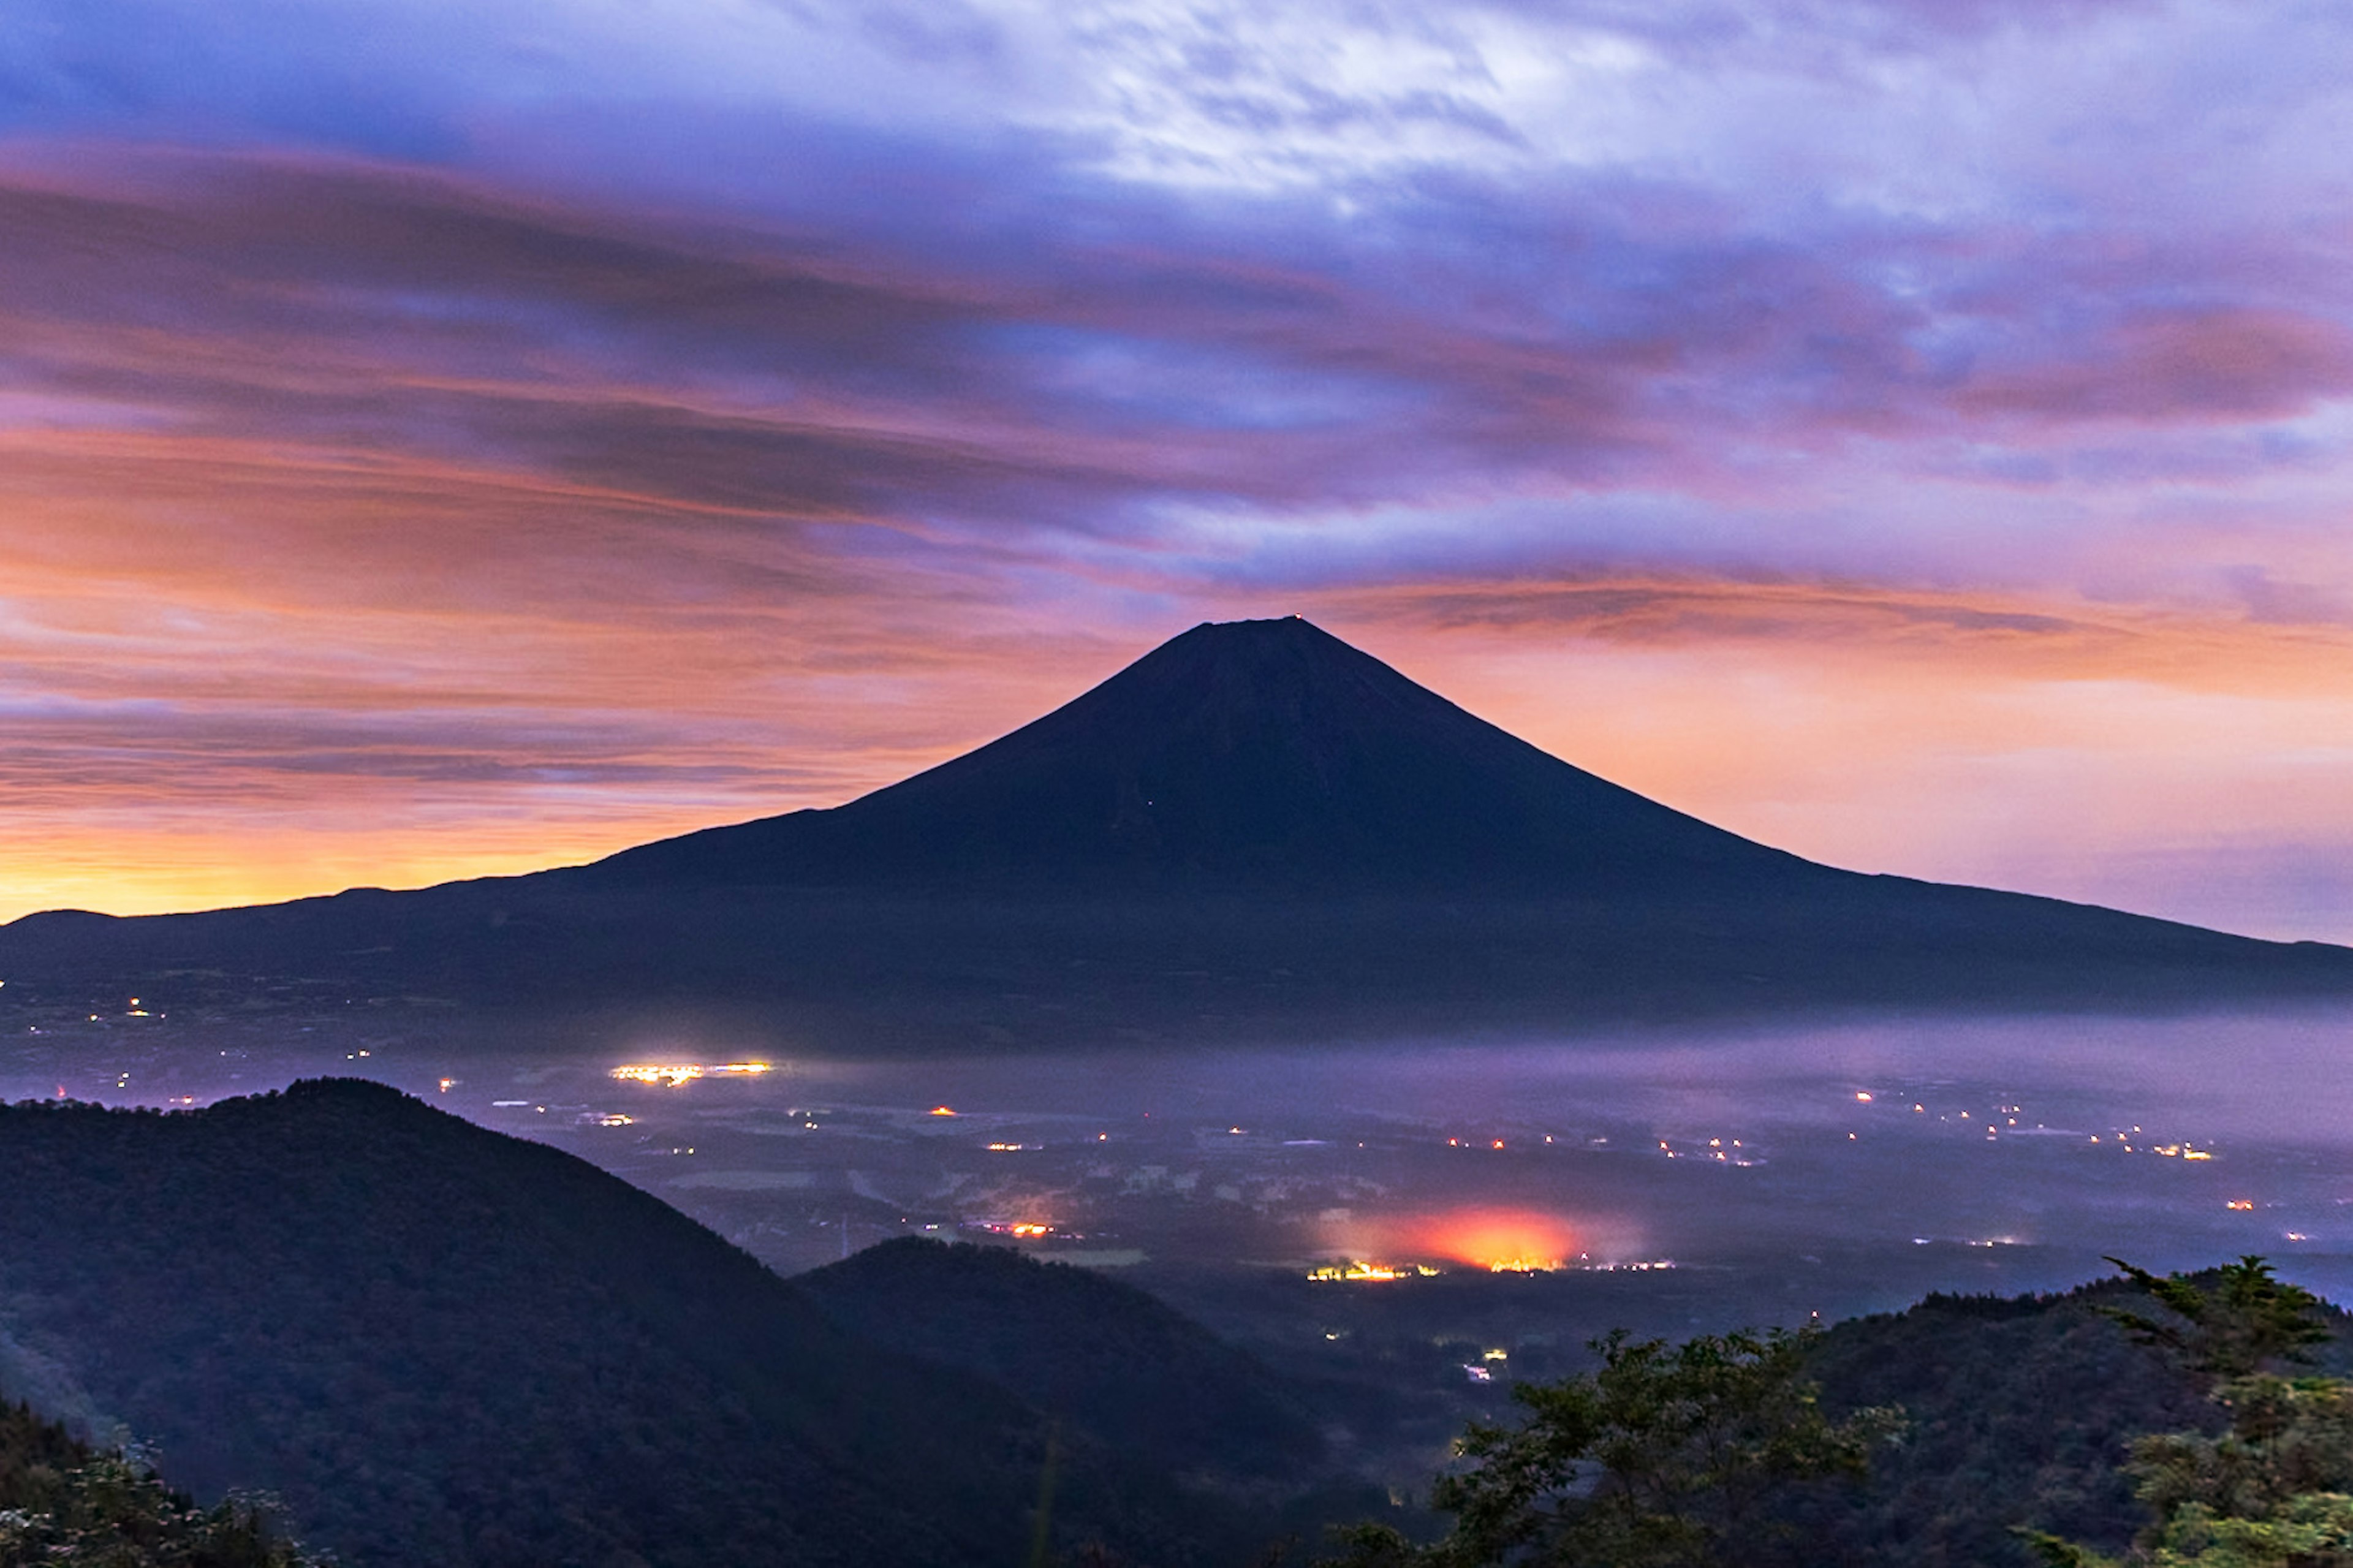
x,y
1252,832
1252,752
2022,1412
1119,1361
444,1346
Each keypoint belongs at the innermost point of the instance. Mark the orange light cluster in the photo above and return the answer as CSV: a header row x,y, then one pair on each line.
x,y
1355,1272
672,1073
1504,1240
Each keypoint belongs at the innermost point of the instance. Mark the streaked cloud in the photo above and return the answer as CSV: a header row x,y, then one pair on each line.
x,y
462,438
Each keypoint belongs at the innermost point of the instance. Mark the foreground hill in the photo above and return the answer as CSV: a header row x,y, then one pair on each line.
x,y
448,1347
1254,830
444,1346
2022,1410
1116,1360
66,1503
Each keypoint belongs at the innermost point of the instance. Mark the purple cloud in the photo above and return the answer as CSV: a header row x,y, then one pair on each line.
x,y
880,339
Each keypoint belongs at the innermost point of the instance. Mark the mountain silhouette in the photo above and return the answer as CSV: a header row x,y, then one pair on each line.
x,y
1253,832
1247,753
449,1348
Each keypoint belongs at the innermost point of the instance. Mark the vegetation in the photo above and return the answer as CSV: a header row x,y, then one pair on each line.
x,y
1108,1357
443,1346
2024,1439
2022,1411
1664,1456
64,1504
2274,1488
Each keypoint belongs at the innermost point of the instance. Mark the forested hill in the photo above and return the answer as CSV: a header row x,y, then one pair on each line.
x,y
2021,1410
444,1346
1119,1361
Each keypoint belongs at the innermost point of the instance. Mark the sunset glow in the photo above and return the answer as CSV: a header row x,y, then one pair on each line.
x,y
1917,437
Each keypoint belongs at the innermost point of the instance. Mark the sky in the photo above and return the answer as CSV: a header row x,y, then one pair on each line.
x,y
440,439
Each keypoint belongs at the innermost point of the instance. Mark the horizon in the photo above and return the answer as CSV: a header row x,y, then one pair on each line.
x,y
450,442
1088,692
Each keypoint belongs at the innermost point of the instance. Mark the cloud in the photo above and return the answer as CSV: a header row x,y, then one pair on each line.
x,y
2182,365
730,406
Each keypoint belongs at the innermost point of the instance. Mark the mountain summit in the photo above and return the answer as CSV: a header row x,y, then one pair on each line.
x,y
1242,754
1254,832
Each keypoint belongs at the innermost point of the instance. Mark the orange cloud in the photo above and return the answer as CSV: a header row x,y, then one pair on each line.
x,y
368,524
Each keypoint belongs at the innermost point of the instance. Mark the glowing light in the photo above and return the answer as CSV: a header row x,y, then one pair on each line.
x,y
1502,1239
1354,1271
617,1119
1861,1097
674,1074
677,1074
941,1110
447,1084
2240,1203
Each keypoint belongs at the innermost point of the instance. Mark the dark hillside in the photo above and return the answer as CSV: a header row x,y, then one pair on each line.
x,y
448,1347
65,1503
1118,1361
2022,1411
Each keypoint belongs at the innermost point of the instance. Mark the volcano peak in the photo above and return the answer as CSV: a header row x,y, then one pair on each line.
x,y
1248,753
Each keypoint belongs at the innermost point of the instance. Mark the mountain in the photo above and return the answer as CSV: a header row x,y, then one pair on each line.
x,y
1255,754
2022,1411
1117,1360
1255,831
447,1347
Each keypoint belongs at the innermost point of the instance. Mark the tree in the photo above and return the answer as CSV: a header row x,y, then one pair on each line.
x,y
2246,1320
2275,1489
65,1505
1665,1456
